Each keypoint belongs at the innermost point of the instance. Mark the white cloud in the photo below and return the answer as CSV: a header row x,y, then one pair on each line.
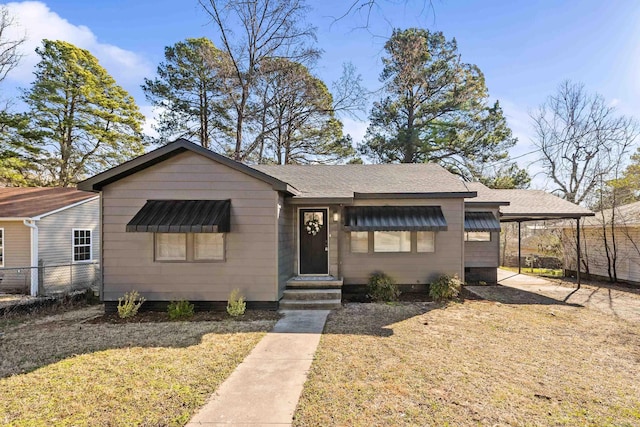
x,y
150,113
35,20
355,128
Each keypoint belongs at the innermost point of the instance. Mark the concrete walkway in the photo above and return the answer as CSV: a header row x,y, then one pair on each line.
x,y
625,305
265,388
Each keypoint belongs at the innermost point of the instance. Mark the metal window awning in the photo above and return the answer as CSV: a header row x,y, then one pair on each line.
x,y
394,218
481,221
182,216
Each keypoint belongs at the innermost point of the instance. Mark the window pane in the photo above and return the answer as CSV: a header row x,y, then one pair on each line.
x,y
426,241
208,246
360,242
478,236
81,245
171,246
392,241
318,216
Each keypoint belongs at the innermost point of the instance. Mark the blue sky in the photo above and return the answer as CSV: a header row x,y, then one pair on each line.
x,y
524,48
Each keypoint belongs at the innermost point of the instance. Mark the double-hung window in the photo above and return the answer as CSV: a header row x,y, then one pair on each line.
x,y
81,245
189,247
393,241
477,236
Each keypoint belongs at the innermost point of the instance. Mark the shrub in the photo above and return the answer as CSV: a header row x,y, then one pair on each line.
x,y
180,310
129,304
236,305
445,287
382,288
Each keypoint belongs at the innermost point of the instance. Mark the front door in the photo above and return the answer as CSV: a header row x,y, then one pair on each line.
x,y
314,242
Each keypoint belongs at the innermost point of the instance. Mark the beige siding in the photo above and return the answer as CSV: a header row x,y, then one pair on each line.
x,y
411,268
286,244
251,247
55,232
483,254
17,256
595,256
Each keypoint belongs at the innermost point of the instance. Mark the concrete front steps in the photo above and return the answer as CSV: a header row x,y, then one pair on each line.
x,y
312,293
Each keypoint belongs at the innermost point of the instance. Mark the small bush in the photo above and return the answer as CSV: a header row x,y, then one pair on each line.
x,y
129,304
382,288
236,305
445,287
180,310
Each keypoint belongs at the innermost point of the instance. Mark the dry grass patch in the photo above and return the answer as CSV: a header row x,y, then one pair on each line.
x,y
476,363
68,372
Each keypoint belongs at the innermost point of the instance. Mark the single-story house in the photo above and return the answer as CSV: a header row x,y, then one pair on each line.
x,y
46,227
621,224
182,222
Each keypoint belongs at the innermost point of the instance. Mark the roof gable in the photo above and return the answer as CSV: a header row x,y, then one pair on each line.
x,y
172,149
31,202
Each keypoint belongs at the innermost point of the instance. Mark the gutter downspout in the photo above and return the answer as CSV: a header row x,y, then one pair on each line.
x,y
31,223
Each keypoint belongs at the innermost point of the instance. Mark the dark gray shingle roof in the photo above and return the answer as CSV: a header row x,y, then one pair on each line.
x,y
329,181
528,203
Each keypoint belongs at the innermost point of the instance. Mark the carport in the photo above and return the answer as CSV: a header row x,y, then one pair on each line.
x,y
532,205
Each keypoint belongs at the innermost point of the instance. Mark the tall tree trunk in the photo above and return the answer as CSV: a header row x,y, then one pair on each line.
x,y
237,154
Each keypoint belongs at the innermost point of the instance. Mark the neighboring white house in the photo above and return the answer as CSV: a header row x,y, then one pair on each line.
x,y
58,228
626,230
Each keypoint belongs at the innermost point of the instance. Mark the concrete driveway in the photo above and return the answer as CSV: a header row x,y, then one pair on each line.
x,y
522,289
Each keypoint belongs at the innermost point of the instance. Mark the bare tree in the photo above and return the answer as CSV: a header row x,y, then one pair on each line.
x,y
269,29
365,8
580,140
9,54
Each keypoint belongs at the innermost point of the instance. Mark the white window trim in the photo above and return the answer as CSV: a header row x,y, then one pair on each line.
x,y
4,252
73,235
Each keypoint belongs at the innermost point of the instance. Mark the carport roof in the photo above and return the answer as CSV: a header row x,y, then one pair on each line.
x,y
527,205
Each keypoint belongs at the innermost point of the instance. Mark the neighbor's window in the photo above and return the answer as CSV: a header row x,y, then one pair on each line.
x,y
477,236
208,247
392,241
81,245
359,242
1,247
426,241
171,247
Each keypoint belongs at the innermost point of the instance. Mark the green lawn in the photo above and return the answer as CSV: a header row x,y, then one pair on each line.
x,y
544,272
473,363
59,371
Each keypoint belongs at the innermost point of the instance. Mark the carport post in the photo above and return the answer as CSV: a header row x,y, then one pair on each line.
x,y
578,251
519,248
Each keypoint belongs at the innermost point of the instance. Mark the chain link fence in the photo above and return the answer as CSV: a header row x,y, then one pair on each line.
x,y
52,279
